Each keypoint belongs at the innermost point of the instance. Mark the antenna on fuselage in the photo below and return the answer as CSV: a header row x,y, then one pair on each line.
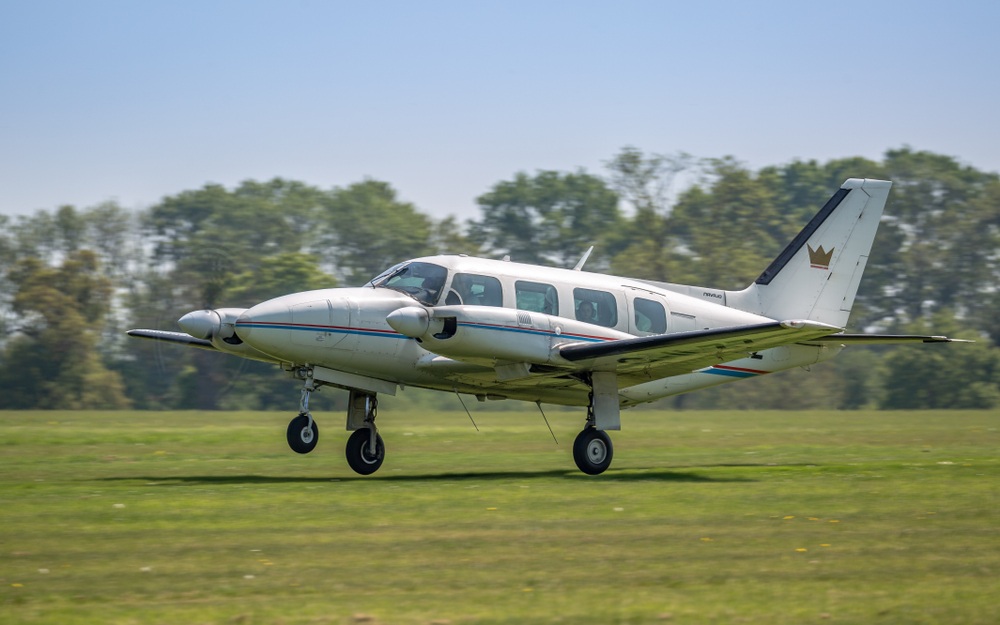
x,y
462,401
586,255
538,403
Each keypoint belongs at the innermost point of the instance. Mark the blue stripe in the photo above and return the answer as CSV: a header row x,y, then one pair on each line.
x,y
730,373
271,326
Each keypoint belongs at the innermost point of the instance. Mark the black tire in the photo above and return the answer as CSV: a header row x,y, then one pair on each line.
x,y
592,451
359,455
301,438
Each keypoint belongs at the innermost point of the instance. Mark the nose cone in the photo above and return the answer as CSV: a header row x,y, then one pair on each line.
x,y
201,324
411,321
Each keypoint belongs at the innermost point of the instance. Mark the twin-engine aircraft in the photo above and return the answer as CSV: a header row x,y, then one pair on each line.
x,y
499,329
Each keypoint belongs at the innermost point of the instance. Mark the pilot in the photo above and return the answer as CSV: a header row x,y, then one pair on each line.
x,y
585,312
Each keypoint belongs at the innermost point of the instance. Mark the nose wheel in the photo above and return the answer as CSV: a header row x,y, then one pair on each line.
x,y
303,434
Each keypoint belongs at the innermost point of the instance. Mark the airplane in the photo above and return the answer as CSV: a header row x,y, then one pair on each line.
x,y
498,329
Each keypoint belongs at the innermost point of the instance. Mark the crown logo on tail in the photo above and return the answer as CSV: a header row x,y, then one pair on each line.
x,y
818,258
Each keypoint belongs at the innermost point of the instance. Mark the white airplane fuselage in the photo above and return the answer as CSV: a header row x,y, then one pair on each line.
x,y
350,330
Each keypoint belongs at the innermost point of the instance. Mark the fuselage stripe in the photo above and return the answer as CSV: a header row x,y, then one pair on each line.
x,y
309,327
734,372
306,327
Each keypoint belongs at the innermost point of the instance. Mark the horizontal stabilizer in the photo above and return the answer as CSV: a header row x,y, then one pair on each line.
x,y
885,339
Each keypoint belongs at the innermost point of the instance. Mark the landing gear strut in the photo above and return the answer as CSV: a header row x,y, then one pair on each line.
x,y
303,433
365,449
592,449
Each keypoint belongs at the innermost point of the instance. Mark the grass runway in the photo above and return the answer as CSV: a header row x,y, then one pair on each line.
x,y
704,517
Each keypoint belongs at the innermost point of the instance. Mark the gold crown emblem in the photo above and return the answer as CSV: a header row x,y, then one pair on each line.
x,y
819,258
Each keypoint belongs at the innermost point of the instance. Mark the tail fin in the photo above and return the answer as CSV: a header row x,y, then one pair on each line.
x,y
817,276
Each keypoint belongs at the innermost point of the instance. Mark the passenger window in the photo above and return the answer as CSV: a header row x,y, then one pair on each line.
x,y
649,316
536,297
597,307
476,290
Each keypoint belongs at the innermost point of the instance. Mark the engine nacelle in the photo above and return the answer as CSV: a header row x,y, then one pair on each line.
x,y
489,334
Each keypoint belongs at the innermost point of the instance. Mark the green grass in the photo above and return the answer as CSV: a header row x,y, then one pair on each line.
x,y
708,517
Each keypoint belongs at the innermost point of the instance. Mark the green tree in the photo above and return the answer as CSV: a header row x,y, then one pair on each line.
x,y
729,230
642,246
548,218
948,218
280,274
53,362
368,229
943,375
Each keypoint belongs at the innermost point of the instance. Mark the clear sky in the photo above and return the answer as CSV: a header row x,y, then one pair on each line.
x,y
133,101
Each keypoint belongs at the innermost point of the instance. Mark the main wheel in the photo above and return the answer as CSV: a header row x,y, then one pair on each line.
x,y
359,454
592,451
302,438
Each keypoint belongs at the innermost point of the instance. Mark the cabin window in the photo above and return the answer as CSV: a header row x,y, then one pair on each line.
x,y
536,297
649,316
476,290
422,281
597,307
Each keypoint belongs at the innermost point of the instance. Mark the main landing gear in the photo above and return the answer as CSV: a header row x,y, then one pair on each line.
x,y
592,449
365,449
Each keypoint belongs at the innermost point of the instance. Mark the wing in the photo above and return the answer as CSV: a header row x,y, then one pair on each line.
x,y
173,337
664,355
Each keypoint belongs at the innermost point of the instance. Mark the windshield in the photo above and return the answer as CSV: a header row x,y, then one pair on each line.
x,y
421,281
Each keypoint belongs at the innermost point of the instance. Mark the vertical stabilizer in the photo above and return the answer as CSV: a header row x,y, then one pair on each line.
x,y
817,276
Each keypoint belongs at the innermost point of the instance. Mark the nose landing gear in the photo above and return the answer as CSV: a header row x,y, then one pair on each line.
x,y
303,433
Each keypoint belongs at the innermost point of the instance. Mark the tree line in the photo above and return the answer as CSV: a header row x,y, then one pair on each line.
x,y
74,279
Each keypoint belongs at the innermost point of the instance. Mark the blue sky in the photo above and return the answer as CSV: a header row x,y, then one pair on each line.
x,y
132,101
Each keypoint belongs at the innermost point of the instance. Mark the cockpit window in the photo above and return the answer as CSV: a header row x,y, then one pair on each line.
x,y
421,281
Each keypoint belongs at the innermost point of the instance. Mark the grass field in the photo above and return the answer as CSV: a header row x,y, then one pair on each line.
x,y
711,517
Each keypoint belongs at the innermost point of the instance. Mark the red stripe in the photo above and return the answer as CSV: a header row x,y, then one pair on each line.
x,y
744,370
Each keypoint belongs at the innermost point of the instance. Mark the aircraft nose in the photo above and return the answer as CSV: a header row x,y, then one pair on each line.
x,y
265,327
201,324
